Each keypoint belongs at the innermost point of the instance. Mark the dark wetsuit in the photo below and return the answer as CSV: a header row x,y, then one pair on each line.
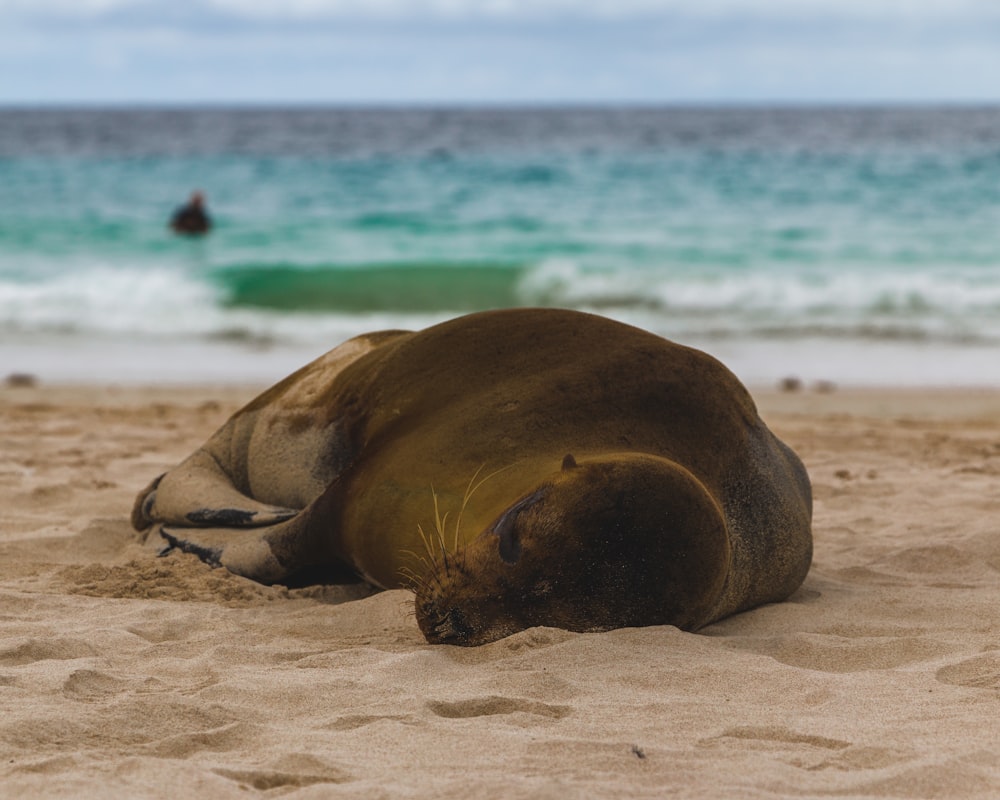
x,y
190,220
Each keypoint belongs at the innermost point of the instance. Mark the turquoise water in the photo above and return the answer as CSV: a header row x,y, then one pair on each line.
x,y
752,232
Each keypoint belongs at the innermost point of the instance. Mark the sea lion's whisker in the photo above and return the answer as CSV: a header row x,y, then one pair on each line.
x,y
432,566
407,572
418,558
440,524
484,479
437,511
471,490
406,582
427,544
468,489
441,542
465,501
413,580
411,605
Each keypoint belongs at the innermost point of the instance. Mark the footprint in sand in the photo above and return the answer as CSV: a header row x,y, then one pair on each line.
x,y
802,750
771,736
830,653
855,758
88,686
355,721
29,651
883,771
50,495
266,780
293,771
490,706
929,560
981,672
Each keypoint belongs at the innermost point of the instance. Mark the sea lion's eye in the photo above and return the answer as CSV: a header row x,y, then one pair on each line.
x,y
506,528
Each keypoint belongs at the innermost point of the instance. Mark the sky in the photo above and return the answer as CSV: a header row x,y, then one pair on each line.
x,y
169,52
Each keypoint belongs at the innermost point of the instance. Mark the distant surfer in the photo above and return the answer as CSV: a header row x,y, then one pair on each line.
x,y
191,219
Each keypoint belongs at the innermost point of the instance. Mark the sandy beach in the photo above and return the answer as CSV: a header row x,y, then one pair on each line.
x,y
127,675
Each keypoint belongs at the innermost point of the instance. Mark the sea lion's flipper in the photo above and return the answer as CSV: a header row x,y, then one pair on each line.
x,y
268,553
247,553
244,552
198,492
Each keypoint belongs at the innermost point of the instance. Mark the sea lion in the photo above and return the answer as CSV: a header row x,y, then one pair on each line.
x,y
514,468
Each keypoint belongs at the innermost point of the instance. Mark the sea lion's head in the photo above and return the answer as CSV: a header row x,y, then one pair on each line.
x,y
613,542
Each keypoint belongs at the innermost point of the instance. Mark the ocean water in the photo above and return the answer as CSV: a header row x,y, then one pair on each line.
x,y
854,245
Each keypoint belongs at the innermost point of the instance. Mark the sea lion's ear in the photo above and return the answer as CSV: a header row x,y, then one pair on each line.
x,y
568,462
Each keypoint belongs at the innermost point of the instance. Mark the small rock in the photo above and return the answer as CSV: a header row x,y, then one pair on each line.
x,y
21,380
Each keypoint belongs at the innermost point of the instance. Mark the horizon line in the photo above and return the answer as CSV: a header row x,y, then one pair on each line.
x,y
491,105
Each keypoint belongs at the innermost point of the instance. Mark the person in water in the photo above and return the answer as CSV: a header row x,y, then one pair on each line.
x,y
191,219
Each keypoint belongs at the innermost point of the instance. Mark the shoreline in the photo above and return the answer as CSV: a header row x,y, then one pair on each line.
x,y
849,363
126,674
936,402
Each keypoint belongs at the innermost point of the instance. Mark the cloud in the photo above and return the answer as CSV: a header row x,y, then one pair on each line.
x,y
48,9
861,10
498,50
739,21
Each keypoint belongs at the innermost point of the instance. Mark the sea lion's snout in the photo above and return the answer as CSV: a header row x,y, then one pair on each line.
x,y
476,597
449,627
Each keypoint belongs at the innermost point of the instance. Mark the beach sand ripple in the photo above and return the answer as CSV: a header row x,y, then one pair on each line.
x,y
123,674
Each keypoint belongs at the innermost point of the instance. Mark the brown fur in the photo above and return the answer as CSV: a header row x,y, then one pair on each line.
x,y
679,507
